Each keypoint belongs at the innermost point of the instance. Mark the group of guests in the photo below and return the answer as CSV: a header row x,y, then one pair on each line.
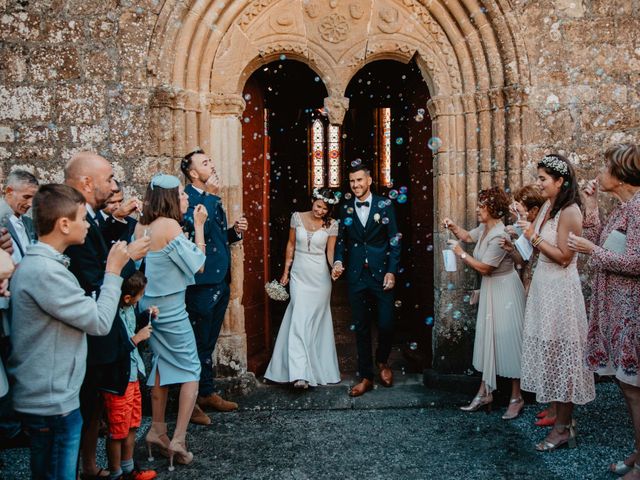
x,y
91,283
532,324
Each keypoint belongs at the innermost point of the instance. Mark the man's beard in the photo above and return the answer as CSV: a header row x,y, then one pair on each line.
x,y
100,203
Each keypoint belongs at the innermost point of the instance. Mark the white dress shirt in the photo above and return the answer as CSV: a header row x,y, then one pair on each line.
x,y
363,211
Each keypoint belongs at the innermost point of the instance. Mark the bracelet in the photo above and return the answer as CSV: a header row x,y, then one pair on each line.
x,y
537,240
201,244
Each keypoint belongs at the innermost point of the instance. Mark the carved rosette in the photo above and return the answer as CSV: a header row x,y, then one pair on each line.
x,y
336,108
334,28
226,104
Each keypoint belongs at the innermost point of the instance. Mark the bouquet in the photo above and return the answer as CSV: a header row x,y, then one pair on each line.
x,y
276,291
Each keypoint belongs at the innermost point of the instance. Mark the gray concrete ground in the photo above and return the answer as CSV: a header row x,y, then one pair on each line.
x,y
405,432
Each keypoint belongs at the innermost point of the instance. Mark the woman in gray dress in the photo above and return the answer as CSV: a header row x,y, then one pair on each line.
x,y
171,264
498,343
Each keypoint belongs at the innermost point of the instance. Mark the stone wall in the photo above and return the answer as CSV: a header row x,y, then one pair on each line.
x,y
91,74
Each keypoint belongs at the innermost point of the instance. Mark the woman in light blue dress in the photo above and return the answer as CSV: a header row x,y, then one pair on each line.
x,y
171,264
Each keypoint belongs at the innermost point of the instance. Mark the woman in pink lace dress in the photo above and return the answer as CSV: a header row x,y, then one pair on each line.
x,y
555,320
614,316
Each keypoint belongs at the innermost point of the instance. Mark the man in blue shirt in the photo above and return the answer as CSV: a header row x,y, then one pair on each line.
x,y
207,300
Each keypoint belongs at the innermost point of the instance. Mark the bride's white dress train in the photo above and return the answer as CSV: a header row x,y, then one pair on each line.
x,y
305,348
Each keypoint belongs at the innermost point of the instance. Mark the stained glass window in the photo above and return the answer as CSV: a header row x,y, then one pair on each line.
x,y
385,146
325,153
334,156
317,153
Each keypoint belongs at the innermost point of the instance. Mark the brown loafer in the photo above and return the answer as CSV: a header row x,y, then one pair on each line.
x,y
216,402
386,375
199,417
361,388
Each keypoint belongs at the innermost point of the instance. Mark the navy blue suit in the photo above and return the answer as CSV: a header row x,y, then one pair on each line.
x,y
208,299
368,253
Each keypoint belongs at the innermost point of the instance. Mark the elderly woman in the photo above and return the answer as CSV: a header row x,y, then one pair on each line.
x,y
498,343
614,327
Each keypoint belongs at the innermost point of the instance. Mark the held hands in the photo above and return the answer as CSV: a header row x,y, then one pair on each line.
x,y
118,257
200,215
127,208
337,270
241,225
139,248
580,244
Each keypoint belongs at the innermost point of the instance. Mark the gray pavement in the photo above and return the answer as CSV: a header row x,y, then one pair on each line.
x,y
405,432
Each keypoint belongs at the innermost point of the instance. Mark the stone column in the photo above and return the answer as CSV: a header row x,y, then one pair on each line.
x,y
226,153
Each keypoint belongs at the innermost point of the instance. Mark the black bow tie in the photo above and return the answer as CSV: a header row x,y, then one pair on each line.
x,y
362,204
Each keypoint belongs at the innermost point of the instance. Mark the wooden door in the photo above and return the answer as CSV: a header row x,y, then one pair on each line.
x,y
255,185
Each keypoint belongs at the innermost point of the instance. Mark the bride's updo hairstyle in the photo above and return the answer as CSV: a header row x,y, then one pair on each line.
x,y
329,198
558,166
162,199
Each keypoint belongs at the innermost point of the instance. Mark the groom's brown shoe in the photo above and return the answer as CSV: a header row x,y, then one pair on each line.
x,y
361,388
386,375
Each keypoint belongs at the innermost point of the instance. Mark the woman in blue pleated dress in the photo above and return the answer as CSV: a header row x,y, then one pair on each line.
x,y
170,266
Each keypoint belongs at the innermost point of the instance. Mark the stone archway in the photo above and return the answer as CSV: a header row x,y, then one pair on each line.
x,y
469,51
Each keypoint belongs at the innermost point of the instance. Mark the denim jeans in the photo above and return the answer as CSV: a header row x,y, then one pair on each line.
x,y
55,442
206,306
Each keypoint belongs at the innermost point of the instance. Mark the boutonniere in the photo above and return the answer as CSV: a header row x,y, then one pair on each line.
x,y
376,217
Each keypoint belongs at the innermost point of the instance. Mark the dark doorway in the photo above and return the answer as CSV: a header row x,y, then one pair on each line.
x,y
289,146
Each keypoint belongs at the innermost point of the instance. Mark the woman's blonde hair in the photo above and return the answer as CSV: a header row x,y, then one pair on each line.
x,y
623,162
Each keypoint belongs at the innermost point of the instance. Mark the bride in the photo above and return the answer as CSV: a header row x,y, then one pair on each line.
x,y
305,350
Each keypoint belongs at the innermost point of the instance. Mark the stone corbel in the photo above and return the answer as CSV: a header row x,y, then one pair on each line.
x,y
336,108
221,104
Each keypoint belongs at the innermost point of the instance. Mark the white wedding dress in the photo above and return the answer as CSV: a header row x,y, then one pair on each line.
x,y
305,348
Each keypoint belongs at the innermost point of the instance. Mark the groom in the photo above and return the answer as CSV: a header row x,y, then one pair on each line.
x,y
369,239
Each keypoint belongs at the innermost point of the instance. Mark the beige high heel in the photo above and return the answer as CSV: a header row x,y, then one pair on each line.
x,y
178,450
478,402
570,442
157,437
513,401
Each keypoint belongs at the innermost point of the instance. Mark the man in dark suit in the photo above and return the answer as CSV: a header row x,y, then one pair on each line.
x,y
207,300
369,243
92,176
112,205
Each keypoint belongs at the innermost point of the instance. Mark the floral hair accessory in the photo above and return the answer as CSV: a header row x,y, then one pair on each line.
x,y
555,164
330,201
162,180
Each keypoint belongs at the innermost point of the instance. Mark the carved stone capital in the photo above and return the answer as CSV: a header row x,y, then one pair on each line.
x,y
482,102
163,96
468,102
440,106
336,108
226,104
496,99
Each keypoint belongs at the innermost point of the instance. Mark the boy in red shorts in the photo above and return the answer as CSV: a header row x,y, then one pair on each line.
x,y
119,384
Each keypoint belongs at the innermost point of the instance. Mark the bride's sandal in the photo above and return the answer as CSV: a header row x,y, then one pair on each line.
x,y
302,384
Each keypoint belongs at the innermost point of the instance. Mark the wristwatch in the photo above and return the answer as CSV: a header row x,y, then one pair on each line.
x,y
463,256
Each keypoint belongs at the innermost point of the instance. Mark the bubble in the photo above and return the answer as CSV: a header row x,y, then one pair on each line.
x,y
356,162
398,303
428,321
246,120
457,315
403,189
394,242
385,220
338,194
421,111
283,57
413,346
381,204
399,141
387,202
348,221
350,210
352,328
402,198
247,96
393,194
316,79
466,298
450,286
418,118
429,248
434,144
347,196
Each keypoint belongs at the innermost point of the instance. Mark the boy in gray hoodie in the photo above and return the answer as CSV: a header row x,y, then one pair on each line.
x,y
49,321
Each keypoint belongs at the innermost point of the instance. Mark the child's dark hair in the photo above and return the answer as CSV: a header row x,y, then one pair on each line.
x,y
52,202
133,285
